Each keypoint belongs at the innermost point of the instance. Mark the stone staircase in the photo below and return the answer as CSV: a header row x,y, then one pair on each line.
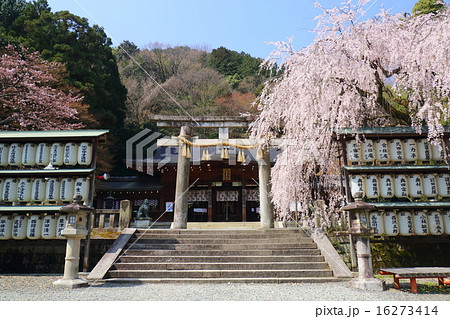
x,y
272,255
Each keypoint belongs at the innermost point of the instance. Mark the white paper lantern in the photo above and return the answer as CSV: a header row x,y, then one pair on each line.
x,y
415,185
387,186
70,154
424,150
391,224
420,223
4,153
20,223
382,151
82,188
60,225
372,187
357,184
67,189
49,227
401,186
85,153
437,152
435,223
376,222
6,226
29,154
353,151
15,154
43,154
446,222
444,185
410,150
52,189
10,190
34,227
396,150
405,222
57,154
24,189
368,151
38,190
430,185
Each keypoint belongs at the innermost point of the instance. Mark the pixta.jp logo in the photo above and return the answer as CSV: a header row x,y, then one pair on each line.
x,y
144,141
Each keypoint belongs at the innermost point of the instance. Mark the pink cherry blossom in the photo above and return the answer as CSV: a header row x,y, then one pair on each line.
x,y
28,97
339,81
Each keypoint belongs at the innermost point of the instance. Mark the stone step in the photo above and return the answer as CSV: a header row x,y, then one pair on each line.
x,y
252,280
223,225
240,252
188,255
219,273
267,232
244,246
220,266
217,259
174,241
146,235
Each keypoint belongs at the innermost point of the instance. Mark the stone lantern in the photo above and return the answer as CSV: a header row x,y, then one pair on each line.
x,y
361,230
75,230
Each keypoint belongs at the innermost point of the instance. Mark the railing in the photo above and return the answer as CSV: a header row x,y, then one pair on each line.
x,y
112,219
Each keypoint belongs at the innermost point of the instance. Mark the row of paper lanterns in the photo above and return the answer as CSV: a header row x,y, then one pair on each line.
x,y
43,190
401,185
407,223
395,150
43,154
32,227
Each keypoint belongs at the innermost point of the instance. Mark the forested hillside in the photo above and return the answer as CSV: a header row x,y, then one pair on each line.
x,y
180,80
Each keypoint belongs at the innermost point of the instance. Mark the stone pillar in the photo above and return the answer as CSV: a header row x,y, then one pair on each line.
x,y
265,203
182,184
124,214
365,269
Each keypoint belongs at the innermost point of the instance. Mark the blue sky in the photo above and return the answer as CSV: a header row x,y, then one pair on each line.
x,y
240,25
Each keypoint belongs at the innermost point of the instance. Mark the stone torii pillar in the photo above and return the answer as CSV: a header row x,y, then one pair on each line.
x,y
265,203
223,123
182,184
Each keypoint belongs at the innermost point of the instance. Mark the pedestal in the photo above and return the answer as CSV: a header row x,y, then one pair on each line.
x,y
142,222
365,279
71,266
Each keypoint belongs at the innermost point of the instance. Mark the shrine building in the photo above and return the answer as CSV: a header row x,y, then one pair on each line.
x,y
222,174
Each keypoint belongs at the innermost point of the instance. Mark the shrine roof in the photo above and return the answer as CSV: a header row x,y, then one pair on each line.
x,y
383,131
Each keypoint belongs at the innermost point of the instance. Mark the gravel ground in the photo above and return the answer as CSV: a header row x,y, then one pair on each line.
x,y
39,288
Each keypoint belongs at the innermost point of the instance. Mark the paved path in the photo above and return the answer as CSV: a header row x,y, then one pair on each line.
x,y
39,288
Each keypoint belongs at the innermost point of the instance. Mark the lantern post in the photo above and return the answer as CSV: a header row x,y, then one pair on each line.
x,y
75,230
361,230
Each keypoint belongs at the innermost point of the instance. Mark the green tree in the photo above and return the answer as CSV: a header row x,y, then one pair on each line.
x,y
10,10
239,67
84,50
125,51
428,6
225,61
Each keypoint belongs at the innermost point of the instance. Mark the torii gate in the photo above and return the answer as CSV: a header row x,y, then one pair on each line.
x,y
184,142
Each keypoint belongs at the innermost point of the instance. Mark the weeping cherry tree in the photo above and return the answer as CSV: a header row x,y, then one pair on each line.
x,y
386,71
